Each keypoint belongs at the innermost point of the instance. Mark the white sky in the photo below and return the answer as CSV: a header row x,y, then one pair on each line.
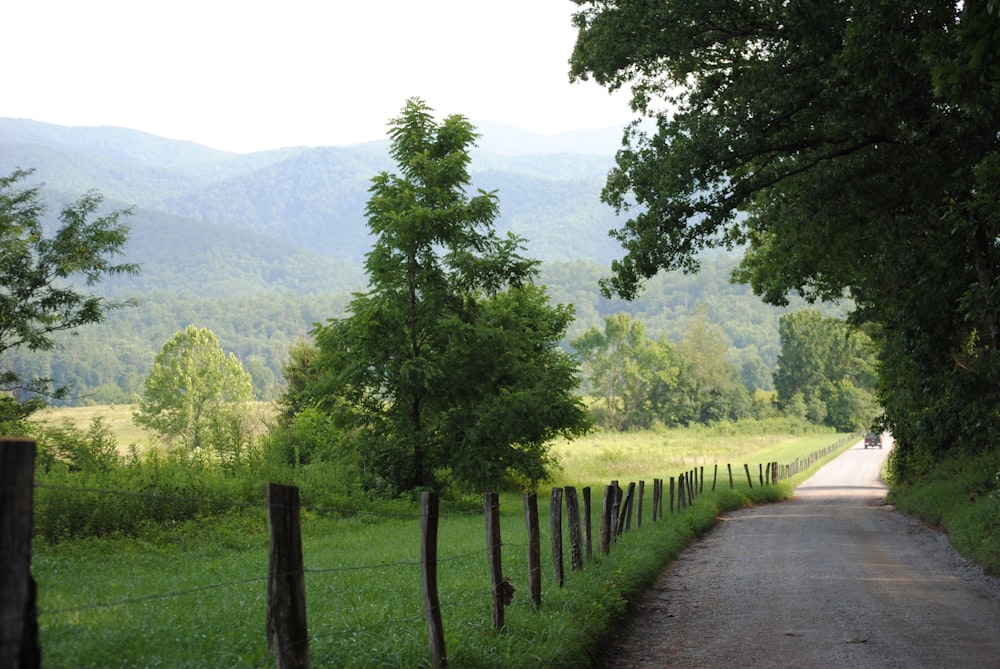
x,y
246,75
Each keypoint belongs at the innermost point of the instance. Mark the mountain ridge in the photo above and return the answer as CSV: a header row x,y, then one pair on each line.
x,y
311,198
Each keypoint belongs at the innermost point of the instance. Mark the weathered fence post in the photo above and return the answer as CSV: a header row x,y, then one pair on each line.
x,y
615,510
587,523
534,549
730,467
672,497
607,518
429,505
625,514
681,494
638,504
701,480
287,633
501,592
575,536
715,476
746,468
555,528
19,647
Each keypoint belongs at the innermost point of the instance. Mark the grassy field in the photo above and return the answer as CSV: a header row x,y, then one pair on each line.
x,y
193,595
117,417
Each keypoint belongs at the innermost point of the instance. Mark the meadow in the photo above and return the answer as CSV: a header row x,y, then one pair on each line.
x,y
193,593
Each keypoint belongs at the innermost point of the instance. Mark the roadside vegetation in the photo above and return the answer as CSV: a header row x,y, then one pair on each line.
x,y
101,574
960,496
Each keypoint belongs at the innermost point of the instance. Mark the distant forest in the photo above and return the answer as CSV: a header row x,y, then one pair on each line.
x,y
109,362
259,247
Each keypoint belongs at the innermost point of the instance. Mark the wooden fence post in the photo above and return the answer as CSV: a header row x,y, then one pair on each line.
x,y
501,591
638,504
746,468
575,536
534,549
607,518
555,528
587,523
715,476
287,633
615,510
730,467
429,505
672,496
19,647
625,513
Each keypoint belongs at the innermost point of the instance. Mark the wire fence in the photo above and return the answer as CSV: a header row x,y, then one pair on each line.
x,y
364,616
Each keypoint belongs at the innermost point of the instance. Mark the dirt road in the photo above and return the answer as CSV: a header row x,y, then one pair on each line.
x,y
831,578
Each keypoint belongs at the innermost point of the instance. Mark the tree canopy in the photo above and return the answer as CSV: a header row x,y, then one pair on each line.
x,y
37,271
828,368
631,374
195,392
851,148
448,367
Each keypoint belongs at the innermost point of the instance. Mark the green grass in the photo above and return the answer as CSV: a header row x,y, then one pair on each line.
x,y
117,417
962,497
193,594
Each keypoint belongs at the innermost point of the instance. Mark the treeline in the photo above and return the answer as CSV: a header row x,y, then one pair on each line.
x,y
825,375
108,363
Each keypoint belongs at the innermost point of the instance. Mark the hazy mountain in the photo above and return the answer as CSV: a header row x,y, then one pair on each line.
x,y
200,206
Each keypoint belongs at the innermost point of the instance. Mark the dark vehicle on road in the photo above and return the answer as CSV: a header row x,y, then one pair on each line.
x,y
873,440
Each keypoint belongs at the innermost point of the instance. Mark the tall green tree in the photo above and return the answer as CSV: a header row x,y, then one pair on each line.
x,y
631,374
830,366
38,273
852,148
449,365
709,387
196,394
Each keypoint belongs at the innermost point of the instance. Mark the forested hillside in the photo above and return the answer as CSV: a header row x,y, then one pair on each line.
x,y
259,247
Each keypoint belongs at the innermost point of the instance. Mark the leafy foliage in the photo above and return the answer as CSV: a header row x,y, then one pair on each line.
x,y
194,393
36,297
852,148
631,374
448,366
827,368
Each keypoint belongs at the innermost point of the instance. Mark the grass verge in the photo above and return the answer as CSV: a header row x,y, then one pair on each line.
x,y
193,594
961,496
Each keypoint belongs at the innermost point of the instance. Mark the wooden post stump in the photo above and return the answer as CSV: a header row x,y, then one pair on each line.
x,y
287,633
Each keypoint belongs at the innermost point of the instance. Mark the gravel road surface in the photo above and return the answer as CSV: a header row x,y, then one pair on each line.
x,y
832,578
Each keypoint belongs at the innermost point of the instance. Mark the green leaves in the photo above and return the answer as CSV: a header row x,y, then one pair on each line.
x,y
845,145
194,391
37,298
829,368
449,367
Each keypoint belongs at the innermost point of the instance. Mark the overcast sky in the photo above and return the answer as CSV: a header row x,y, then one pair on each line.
x,y
245,75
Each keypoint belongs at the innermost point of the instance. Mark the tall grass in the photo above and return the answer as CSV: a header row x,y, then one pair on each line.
x,y
192,593
961,496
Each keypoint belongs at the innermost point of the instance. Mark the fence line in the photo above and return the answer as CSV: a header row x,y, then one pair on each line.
x,y
616,519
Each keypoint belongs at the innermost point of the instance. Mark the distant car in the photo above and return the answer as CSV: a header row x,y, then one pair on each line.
x,y
873,440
